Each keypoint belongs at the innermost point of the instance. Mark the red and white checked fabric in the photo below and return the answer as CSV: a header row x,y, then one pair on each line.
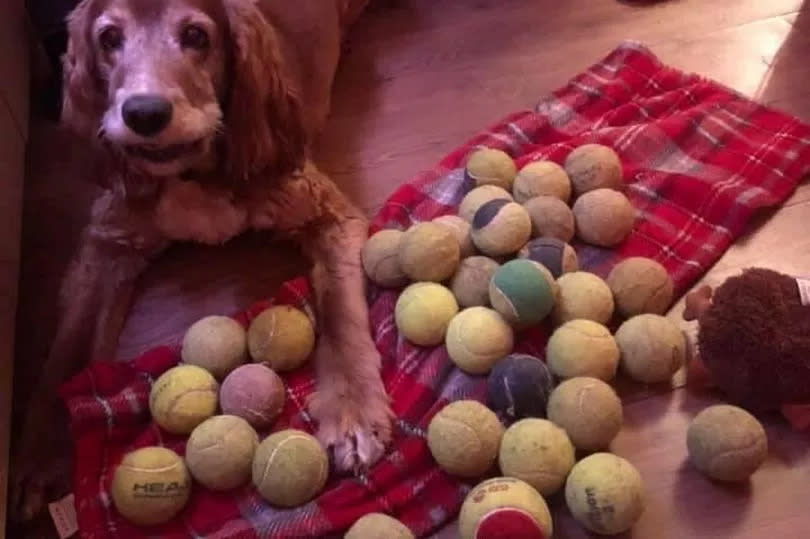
x,y
699,160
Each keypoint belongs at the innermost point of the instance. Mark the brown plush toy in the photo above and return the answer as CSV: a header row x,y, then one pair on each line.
x,y
754,338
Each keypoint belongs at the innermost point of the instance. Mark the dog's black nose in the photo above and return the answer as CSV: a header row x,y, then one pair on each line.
x,y
147,114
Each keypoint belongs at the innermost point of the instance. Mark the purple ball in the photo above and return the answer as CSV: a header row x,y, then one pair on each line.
x,y
519,386
253,392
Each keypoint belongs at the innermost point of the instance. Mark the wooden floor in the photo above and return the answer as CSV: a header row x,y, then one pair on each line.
x,y
422,76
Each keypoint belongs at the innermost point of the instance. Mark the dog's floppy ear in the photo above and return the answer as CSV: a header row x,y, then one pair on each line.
x,y
264,131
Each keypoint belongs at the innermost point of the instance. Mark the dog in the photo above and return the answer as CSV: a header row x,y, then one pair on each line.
x,y
200,116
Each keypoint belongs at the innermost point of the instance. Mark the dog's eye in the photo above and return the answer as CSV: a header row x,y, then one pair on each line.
x,y
194,37
111,38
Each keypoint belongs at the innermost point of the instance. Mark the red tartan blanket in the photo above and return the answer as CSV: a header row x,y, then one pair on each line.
x,y
699,160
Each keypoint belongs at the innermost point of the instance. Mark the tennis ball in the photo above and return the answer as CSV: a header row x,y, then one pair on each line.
x,y
551,218
640,285
464,438
726,443
150,486
182,398
582,348
423,311
470,283
219,452
583,295
477,338
605,493
378,526
521,293
557,256
603,217
479,196
541,178
488,166
218,344
380,258
537,451
589,411
652,348
290,468
594,166
504,507
519,386
461,230
253,392
429,252
282,337
501,227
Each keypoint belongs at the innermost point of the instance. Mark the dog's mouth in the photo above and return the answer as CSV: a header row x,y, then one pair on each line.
x,y
164,154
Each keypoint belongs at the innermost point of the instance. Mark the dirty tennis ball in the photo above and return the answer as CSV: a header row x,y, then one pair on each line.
x,y
603,217
378,526
218,344
551,217
540,179
582,348
640,285
423,312
219,452
501,227
538,452
429,252
464,438
380,258
589,411
605,493
583,295
461,230
521,293
282,337
182,398
488,166
504,507
290,468
594,166
253,392
652,348
519,386
470,283
150,486
477,338
479,196
726,443
557,256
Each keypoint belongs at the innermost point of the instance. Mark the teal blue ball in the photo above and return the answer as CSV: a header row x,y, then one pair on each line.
x,y
521,293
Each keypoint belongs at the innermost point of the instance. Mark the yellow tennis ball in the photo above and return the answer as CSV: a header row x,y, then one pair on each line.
x,y
551,218
378,526
219,452
583,295
380,259
594,166
150,486
488,166
603,217
479,196
429,252
501,227
218,344
504,507
589,411
423,312
605,493
282,337
477,338
652,348
290,468
542,178
464,438
182,398
582,348
640,285
470,283
461,230
537,451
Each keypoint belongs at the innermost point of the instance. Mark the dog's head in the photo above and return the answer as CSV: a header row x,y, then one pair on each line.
x,y
167,84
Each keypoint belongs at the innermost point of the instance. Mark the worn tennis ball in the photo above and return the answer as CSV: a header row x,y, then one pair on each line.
x,y
557,256
488,166
150,486
583,295
429,252
423,312
282,337
218,344
290,468
589,411
551,218
182,398
464,438
538,452
582,348
594,166
652,348
479,196
253,392
605,493
380,258
519,386
603,217
504,507
219,452
542,178
640,285
521,293
726,443
501,227
461,230
378,526
477,338
470,283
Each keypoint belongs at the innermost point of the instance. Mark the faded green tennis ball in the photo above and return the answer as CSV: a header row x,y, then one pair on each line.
x,y
589,411
501,227
583,295
551,217
603,217
582,348
461,230
423,312
464,438
429,252
282,337
378,526
477,338
479,196
538,452
290,468
380,258
542,178
652,348
504,507
219,452
182,398
640,285
594,166
470,283
555,255
521,293
489,166
218,344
